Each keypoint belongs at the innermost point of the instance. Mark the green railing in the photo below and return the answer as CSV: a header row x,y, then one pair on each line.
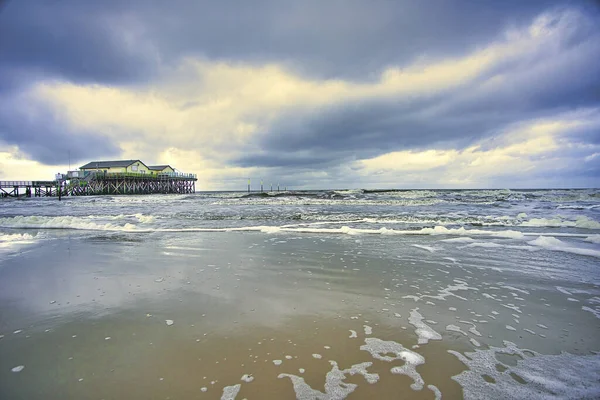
x,y
138,175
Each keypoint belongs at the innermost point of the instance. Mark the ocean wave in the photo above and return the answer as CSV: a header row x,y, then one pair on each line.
x,y
15,237
141,225
593,239
582,222
63,222
9,241
304,200
552,243
578,207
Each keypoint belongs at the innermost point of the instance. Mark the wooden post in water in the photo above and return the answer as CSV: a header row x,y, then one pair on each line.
x,y
248,185
261,186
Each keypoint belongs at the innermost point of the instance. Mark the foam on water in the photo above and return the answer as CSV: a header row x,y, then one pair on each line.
x,y
447,291
423,331
63,222
428,248
454,328
595,311
436,392
581,222
145,226
380,349
545,376
15,237
593,239
552,243
9,241
335,387
230,392
465,239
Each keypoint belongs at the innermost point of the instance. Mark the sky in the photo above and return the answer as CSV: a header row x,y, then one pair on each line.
x,y
306,94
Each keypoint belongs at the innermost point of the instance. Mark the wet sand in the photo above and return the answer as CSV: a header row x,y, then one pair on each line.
x,y
90,314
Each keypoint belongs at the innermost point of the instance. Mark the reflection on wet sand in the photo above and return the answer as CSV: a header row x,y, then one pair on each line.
x,y
284,317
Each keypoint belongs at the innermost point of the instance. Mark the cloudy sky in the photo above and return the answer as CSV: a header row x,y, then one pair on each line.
x,y
309,94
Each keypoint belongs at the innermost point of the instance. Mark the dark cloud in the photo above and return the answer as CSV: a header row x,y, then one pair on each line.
x,y
129,43
77,41
550,82
123,42
42,137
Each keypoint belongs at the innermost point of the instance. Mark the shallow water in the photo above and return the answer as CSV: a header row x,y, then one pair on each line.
x,y
308,282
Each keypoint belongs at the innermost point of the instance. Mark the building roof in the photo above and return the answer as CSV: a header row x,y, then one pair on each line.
x,y
109,164
158,167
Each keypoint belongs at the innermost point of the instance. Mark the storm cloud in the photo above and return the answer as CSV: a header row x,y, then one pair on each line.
x,y
315,93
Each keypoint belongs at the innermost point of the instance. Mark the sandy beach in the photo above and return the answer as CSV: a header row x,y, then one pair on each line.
x,y
308,315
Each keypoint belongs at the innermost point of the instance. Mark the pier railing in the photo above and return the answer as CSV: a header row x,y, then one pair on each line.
x,y
10,184
15,183
137,175
103,183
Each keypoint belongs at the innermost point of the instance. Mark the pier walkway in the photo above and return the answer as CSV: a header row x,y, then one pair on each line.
x,y
28,188
95,184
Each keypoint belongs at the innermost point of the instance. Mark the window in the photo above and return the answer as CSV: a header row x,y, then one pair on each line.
x,y
134,167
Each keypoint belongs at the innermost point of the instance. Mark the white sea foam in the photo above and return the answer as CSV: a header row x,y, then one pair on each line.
x,y
436,392
593,239
515,289
488,245
145,219
454,328
423,331
581,222
335,387
448,291
89,223
563,290
352,334
230,392
15,237
595,311
18,368
552,243
545,376
9,241
247,378
428,248
380,349
62,222
465,239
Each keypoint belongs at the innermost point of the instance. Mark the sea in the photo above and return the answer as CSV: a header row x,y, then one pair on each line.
x,y
324,294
